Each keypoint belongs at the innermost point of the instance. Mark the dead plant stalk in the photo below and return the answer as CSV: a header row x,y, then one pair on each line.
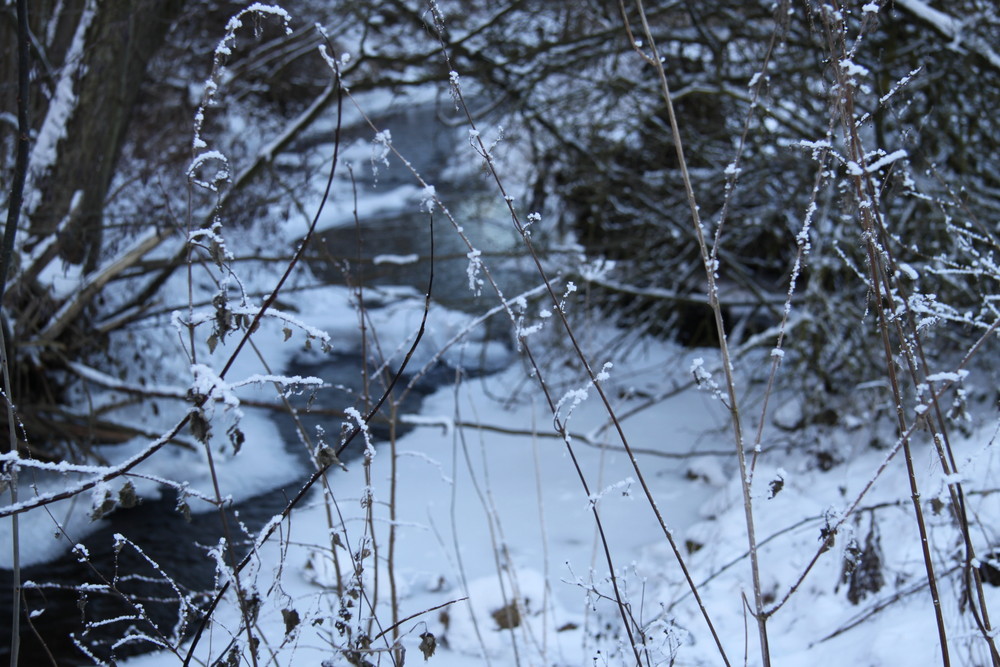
x,y
711,268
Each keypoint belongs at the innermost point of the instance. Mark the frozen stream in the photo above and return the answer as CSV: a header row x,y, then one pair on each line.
x,y
395,251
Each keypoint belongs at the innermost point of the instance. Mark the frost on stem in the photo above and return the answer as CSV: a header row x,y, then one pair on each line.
x,y
201,163
210,90
381,148
82,554
574,397
852,69
209,385
359,421
211,240
218,555
227,43
703,378
570,288
227,318
604,374
532,219
883,161
623,486
520,330
428,199
473,270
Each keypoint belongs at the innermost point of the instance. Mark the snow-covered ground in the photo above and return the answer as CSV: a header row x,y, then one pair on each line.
x,y
489,511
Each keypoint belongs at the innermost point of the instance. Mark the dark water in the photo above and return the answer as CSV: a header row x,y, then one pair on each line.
x,y
407,235
177,544
444,158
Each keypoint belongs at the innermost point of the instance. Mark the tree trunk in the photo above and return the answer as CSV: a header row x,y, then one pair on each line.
x,y
118,40
83,103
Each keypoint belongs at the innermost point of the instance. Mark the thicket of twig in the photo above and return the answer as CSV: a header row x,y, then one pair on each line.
x,y
814,187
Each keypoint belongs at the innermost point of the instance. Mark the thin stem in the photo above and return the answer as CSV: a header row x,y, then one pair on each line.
x,y
711,268
15,535
6,254
879,281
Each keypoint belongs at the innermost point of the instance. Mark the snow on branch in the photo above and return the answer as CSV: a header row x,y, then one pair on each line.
x,y
223,50
61,109
102,476
95,282
207,383
952,28
111,382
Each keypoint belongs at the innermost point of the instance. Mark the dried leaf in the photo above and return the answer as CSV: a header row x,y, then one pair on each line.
x,y
508,616
200,428
183,508
237,438
291,619
104,507
127,496
216,252
428,644
863,568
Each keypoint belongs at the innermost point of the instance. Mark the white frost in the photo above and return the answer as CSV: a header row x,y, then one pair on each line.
x,y
888,159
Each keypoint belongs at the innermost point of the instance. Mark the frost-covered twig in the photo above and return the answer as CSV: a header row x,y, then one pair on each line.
x,y
109,473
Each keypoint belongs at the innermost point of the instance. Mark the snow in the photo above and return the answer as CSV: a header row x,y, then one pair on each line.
x,y
65,279
398,260
491,519
948,376
340,211
472,272
487,518
886,160
225,46
851,68
44,152
427,198
201,160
